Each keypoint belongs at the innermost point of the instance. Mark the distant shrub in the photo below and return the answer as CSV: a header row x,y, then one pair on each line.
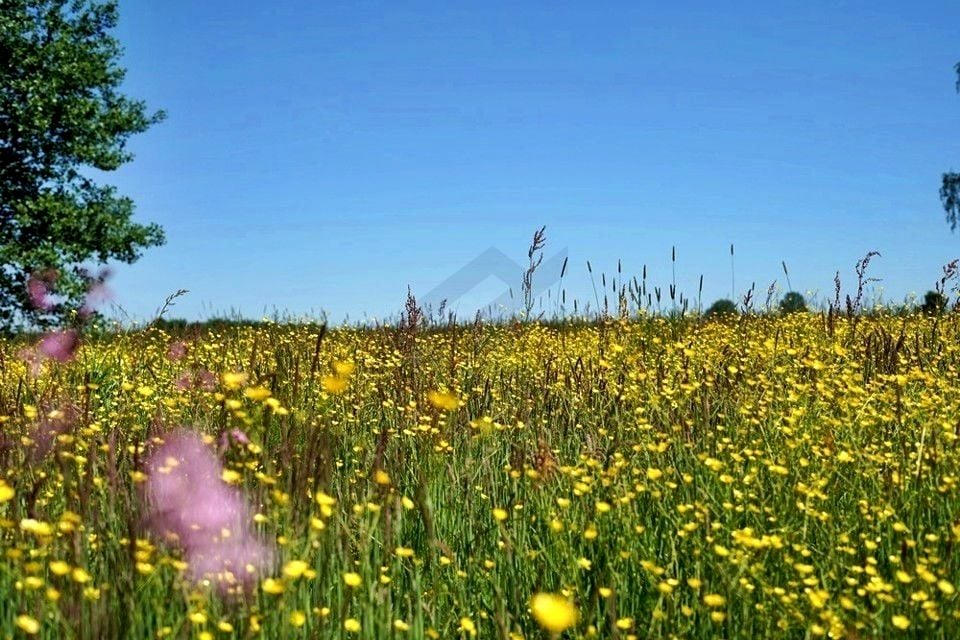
x,y
722,307
934,303
793,302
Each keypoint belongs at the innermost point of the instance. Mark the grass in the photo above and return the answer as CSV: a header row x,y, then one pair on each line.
x,y
760,476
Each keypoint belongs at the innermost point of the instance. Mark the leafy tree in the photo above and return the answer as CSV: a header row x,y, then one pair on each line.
x,y
793,302
722,307
950,189
61,113
934,303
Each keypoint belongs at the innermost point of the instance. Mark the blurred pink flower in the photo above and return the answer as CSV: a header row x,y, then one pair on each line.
x,y
188,501
59,345
52,425
33,359
38,291
206,380
202,379
176,350
97,292
185,382
234,436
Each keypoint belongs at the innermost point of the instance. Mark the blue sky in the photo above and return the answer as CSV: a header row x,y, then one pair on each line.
x,y
322,156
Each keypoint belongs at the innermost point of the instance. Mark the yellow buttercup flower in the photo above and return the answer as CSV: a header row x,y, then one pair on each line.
x,y
295,568
900,622
6,492
333,384
27,624
443,400
553,612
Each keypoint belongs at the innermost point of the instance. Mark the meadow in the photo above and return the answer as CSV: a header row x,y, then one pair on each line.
x,y
758,476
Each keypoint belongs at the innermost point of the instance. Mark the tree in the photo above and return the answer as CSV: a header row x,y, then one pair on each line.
x,y
950,189
793,302
722,307
61,113
934,303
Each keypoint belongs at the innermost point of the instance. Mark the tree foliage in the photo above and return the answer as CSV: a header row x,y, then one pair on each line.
x,y
722,307
950,188
62,113
793,302
934,303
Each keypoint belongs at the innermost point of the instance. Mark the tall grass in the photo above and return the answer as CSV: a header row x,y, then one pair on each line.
x,y
754,477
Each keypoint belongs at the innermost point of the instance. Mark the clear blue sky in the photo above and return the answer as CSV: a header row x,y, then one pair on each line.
x,y
326,155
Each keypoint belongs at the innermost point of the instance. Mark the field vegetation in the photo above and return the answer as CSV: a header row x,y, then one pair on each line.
x,y
747,476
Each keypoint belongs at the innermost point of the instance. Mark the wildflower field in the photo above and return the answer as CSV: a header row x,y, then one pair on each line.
x,y
755,477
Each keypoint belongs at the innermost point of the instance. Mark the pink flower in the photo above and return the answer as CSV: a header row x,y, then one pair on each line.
x,y
206,380
234,436
185,382
230,562
52,425
202,379
59,345
38,291
33,359
189,502
97,293
176,350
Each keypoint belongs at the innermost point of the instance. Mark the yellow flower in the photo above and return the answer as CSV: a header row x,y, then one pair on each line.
x,y
257,394
27,624
443,400
59,568
351,625
352,579
234,380
624,623
80,576
714,600
333,384
583,563
230,476
500,515
271,585
324,500
36,527
344,368
900,622
467,626
553,612
295,568
298,618
6,492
